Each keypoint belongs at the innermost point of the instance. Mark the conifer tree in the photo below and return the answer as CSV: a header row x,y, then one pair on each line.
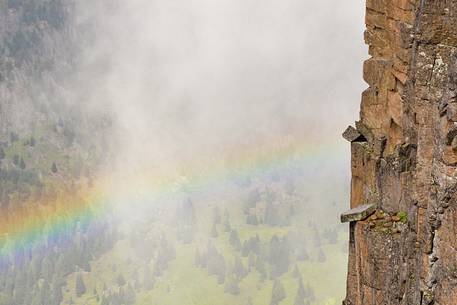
x,y
80,286
129,296
278,293
310,293
216,215
57,296
232,286
245,249
296,273
120,280
148,279
54,168
22,164
238,269
16,160
260,267
251,261
104,301
214,233
301,292
235,240
227,226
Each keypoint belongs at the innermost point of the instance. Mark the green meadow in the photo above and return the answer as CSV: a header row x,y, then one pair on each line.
x,y
182,282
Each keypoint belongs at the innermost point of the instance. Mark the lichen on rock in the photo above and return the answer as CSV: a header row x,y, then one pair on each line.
x,y
405,252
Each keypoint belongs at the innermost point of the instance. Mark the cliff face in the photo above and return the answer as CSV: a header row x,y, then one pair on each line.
x,y
405,158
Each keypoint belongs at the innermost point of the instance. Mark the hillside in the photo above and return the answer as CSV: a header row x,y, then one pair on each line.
x,y
203,224
222,251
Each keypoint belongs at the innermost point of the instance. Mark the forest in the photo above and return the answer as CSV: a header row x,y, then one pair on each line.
x,y
257,242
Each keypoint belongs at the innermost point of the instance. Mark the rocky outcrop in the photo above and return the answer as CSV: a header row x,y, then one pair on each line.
x,y
405,158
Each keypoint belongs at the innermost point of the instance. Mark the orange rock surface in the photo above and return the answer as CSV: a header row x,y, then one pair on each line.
x,y
407,165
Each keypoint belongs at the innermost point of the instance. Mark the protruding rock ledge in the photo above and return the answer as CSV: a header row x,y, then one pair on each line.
x,y
353,135
359,213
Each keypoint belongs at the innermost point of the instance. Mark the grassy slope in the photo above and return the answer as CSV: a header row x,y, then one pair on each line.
x,y
184,284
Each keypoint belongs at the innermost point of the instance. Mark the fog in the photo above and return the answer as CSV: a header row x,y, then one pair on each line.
x,y
212,130
192,84
187,78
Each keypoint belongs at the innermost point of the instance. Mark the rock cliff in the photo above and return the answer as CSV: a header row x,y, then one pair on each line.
x,y
404,157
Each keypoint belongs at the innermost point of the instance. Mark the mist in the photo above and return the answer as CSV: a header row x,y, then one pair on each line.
x,y
192,83
212,130
184,79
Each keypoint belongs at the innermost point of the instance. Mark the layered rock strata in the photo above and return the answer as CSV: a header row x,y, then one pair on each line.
x,y
404,157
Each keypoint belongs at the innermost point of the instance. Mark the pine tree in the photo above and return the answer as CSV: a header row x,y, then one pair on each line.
x,y
120,280
22,164
238,269
63,266
235,240
148,279
310,293
14,137
227,226
296,273
251,261
214,233
54,168
216,215
301,292
245,249
57,296
253,198
20,286
80,286
104,301
47,269
44,294
16,160
260,267
129,296
279,255
278,293
216,265
232,286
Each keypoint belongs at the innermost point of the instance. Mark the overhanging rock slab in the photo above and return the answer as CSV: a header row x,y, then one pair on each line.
x,y
359,213
352,135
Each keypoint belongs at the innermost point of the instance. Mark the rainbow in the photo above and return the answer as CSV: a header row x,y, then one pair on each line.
x,y
24,231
